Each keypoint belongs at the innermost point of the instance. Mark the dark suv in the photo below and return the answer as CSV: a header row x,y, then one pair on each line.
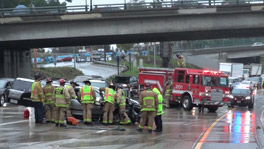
x,y
21,91
242,97
126,81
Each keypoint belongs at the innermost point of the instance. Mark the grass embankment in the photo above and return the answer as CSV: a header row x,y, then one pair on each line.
x,y
57,72
133,71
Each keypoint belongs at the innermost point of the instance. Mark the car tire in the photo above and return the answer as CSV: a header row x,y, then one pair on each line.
x,y
2,100
187,103
250,106
212,108
232,105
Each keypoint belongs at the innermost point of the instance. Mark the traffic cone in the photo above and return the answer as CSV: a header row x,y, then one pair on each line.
x,y
26,113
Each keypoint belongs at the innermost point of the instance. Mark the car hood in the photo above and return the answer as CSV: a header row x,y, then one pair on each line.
x,y
2,90
240,95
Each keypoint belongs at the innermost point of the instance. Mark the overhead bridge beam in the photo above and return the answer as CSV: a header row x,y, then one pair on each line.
x,y
91,29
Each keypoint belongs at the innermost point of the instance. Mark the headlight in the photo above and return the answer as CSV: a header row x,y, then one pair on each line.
x,y
124,85
248,97
231,96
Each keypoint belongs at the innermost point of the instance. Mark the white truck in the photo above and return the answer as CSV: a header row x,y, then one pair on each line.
x,y
232,69
253,69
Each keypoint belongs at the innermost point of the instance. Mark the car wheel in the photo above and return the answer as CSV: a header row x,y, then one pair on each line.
x,y
2,100
232,105
212,109
250,106
187,103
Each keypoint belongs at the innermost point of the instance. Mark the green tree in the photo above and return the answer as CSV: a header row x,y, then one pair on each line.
x,y
125,47
36,3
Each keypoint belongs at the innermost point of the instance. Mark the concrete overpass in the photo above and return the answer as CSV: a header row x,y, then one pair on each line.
x,y
131,26
20,33
211,57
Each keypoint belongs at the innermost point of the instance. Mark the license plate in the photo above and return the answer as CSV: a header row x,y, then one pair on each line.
x,y
13,101
238,101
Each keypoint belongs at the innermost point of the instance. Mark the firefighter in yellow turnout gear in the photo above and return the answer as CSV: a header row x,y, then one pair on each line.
x,y
168,93
149,104
72,93
38,99
109,104
180,61
121,101
62,98
49,101
88,98
158,120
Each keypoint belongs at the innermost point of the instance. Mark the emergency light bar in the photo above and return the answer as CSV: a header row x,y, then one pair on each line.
x,y
212,72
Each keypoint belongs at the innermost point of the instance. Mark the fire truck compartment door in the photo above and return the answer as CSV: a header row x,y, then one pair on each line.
x,y
157,80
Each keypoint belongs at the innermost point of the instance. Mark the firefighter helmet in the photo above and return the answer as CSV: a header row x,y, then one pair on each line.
x,y
148,85
61,81
48,80
37,75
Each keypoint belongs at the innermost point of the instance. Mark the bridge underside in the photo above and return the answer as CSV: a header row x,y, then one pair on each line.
x,y
133,38
112,28
15,63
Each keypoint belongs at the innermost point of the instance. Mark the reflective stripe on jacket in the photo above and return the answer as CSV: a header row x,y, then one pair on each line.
x,y
86,94
148,100
36,92
121,98
48,93
61,101
160,99
109,95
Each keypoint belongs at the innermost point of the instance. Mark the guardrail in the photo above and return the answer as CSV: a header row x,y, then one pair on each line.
x,y
121,6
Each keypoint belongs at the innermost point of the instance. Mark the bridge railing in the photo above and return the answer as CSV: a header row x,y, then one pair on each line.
x,y
123,6
43,10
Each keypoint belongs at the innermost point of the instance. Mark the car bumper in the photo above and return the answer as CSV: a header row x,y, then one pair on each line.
x,y
241,102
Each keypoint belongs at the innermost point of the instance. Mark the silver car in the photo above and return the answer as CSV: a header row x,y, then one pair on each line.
x,y
132,108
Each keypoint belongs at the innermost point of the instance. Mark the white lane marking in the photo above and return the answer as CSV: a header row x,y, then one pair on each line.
x,y
3,124
100,131
7,116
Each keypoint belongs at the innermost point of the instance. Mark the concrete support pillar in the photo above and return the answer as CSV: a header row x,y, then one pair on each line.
x,y
15,63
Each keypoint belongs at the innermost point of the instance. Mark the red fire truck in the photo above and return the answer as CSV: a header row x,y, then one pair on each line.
x,y
191,87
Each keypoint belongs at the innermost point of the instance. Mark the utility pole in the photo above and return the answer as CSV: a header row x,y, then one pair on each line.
x,y
154,54
117,62
74,57
104,53
35,57
86,8
91,5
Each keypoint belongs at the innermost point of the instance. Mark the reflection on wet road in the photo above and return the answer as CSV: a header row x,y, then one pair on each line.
x,y
227,128
235,129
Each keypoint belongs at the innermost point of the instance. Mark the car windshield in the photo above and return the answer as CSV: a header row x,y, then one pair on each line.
x,y
22,85
214,81
253,79
124,80
241,91
81,78
246,82
98,84
2,83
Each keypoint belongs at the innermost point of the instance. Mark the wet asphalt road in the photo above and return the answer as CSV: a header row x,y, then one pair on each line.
x,y
88,68
226,128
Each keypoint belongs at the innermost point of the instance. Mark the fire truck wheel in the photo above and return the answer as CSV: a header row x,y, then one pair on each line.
x,y
187,103
212,109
